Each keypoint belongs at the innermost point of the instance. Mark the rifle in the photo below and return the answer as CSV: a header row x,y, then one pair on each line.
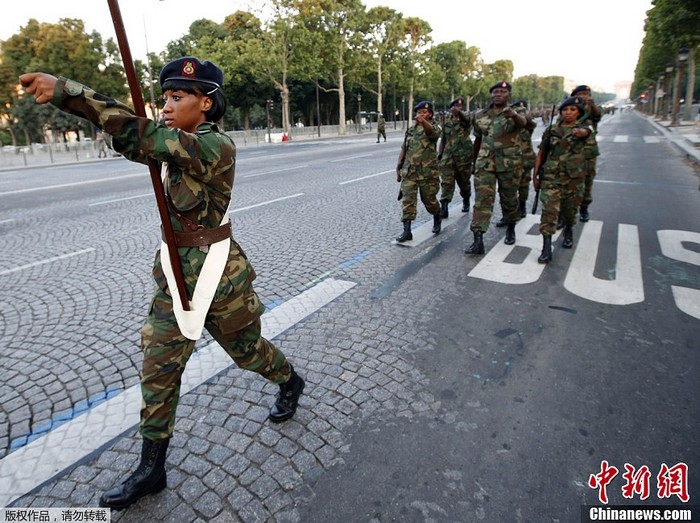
x,y
543,159
399,166
140,110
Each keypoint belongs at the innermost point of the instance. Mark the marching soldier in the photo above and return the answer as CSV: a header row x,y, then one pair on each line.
x,y
417,169
497,146
562,179
198,166
592,114
528,161
455,156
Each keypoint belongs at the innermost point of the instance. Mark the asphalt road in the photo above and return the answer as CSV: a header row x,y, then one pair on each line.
x,y
493,386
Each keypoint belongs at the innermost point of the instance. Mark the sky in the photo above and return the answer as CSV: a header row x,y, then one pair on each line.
x,y
595,42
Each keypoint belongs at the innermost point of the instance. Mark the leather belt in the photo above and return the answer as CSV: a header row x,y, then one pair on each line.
x,y
202,237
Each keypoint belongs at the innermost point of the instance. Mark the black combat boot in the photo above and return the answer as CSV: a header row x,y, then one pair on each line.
x,y
523,210
546,255
502,222
560,221
510,234
407,235
465,205
437,223
568,237
584,213
477,247
444,211
287,398
148,478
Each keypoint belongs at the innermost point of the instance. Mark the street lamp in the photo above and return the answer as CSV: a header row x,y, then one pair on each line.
x,y
682,58
667,88
403,103
658,102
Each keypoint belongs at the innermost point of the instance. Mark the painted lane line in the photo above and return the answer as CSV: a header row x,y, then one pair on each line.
x,y
275,171
267,202
652,139
72,184
121,199
7,221
620,138
351,158
37,462
43,262
364,177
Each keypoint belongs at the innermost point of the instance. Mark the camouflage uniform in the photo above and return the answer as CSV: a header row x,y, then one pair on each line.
x,y
456,160
591,154
381,127
528,161
199,185
420,171
499,161
561,183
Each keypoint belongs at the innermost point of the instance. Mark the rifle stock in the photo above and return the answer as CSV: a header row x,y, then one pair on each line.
x,y
140,110
540,168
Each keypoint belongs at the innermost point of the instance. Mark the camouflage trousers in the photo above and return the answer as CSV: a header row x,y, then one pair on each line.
x,y
166,352
588,186
560,192
485,188
524,186
459,172
428,189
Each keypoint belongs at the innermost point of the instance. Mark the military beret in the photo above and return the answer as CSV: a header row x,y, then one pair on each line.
x,y
500,85
520,103
424,105
190,68
576,101
580,88
458,100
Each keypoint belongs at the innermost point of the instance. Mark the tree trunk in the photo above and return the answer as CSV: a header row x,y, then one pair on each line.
x,y
341,105
690,86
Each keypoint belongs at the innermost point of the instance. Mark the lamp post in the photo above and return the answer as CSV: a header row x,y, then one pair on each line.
x,y
659,95
682,59
359,113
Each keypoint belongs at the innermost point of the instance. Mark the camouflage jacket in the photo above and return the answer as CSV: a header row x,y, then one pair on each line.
x,y
200,180
566,152
420,159
458,142
500,148
591,150
527,153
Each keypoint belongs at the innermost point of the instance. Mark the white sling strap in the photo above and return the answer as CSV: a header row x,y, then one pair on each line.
x,y
191,323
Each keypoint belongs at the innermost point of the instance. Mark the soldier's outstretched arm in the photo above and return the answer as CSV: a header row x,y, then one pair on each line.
x,y
40,85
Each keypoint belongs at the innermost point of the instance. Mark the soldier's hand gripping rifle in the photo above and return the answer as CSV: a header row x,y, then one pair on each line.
x,y
541,160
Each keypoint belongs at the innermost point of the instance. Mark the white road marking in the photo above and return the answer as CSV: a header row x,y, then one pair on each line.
x,y
351,158
365,177
652,139
267,202
43,262
72,184
121,199
620,138
425,232
687,299
43,458
627,287
275,171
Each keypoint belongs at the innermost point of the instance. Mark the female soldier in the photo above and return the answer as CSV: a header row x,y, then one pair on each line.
x,y
198,168
563,175
417,170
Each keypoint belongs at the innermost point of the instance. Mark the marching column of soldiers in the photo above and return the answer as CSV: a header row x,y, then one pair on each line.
x,y
501,159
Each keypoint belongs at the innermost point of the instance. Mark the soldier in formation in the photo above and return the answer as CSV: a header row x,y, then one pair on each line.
x,y
561,179
498,163
417,169
527,161
592,115
455,156
198,163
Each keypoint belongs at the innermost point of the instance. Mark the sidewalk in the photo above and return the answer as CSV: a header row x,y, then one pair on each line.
x,y
685,136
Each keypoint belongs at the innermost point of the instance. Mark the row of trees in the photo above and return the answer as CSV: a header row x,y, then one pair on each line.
x,y
313,58
669,54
